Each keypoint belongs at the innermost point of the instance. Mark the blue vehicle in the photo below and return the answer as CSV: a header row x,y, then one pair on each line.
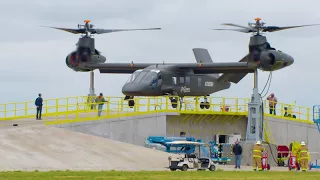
x,y
164,144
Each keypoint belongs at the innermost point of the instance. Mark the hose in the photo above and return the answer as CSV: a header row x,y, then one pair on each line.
x,y
272,152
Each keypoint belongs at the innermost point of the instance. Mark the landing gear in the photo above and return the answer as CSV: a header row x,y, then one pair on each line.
x,y
130,102
174,102
205,104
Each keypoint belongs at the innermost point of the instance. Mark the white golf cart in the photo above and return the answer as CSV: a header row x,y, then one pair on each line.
x,y
190,161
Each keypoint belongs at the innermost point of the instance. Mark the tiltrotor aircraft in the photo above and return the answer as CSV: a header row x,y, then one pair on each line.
x,y
181,79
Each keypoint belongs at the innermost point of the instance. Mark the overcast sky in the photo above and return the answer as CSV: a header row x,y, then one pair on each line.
x,y
33,57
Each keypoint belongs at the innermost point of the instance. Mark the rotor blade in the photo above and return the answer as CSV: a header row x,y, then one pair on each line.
x,y
277,28
101,31
239,30
74,31
236,25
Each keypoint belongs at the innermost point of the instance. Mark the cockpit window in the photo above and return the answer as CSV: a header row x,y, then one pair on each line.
x,y
133,76
150,77
139,77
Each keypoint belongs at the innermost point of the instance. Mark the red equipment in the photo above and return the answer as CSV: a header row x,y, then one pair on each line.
x,y
264,162
282,154
293,163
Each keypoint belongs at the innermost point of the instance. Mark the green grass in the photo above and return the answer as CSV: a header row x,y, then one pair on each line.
x,y
178,175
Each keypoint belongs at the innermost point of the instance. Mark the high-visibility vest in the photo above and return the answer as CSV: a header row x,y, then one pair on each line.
x,y
303,151
257,151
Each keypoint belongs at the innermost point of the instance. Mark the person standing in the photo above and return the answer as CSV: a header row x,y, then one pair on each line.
x,y
257,156
237,151
38,103
303,153
100,101
272,103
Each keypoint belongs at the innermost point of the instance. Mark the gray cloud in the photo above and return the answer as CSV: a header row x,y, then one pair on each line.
x,y
33,57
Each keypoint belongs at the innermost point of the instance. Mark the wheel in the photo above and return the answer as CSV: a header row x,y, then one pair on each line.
x,y
184,167
172,169
268,166
212,168
174,103
202,105
207,105
131,103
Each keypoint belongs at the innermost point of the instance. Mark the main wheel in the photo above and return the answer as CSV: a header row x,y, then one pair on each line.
x,y
268,166
207,105
212,168
174,103
202,105
172,169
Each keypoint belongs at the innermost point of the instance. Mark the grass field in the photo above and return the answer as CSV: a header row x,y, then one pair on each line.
x,y
110,175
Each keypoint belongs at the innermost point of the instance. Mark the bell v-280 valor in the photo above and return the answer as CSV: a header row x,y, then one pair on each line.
x,y
180,79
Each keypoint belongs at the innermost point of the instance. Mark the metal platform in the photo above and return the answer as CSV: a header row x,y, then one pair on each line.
x,y
79,108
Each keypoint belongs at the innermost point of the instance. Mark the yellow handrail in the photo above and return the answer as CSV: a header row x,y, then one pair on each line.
x,y
79,107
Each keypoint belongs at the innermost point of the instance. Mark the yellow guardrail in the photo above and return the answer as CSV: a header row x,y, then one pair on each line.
x,y
80,108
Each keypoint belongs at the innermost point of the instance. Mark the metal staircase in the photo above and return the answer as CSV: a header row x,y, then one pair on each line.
x,y
267,133
316,115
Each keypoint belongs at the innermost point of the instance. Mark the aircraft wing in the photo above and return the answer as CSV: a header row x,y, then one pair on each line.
x,y
198,68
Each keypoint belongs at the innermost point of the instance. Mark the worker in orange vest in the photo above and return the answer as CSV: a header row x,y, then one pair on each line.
x,y
272,103
257,156
303,152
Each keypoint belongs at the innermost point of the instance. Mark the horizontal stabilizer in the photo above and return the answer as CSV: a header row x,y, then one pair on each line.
x,y
234,77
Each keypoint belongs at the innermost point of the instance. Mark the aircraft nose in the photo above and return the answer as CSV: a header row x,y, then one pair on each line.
x,y
132,89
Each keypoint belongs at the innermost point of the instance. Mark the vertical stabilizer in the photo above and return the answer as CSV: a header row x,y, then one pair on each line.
x,y
203,56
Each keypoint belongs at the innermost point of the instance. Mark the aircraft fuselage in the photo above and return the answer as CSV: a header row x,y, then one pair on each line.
x,y
161,80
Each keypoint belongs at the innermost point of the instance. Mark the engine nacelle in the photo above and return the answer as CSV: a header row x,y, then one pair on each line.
x,y
272,60
77,59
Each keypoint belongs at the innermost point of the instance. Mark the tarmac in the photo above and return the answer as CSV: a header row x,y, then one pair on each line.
x,y
32,145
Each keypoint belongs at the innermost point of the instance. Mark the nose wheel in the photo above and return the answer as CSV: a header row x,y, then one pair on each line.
x,y
130,101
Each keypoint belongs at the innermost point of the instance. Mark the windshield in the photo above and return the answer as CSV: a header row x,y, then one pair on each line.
x,y
149,77
133,76
139,77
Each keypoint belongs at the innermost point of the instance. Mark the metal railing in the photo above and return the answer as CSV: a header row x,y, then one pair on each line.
x,y
80,108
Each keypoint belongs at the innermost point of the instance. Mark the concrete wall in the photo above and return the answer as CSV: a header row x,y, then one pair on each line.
x,y
284,132
134,129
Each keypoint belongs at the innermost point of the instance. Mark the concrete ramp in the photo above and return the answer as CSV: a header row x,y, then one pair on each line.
x,y
49,148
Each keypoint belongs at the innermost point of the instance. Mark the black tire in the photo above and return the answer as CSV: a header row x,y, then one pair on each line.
x,y
212,168
174,103
207,105
184,167
172,169
202,105
131,103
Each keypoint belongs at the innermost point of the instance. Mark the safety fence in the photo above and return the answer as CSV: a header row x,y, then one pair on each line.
x,y
82,108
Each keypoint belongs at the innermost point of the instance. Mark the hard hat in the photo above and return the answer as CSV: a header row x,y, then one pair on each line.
x,y
303,143
258,142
